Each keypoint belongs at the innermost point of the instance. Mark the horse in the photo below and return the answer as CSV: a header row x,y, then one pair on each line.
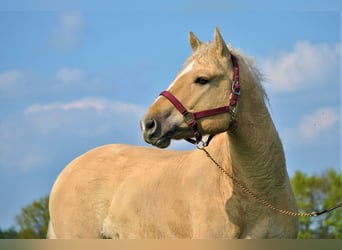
x,y
216,102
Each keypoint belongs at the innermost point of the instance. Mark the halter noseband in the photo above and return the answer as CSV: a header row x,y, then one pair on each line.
x,y
191,117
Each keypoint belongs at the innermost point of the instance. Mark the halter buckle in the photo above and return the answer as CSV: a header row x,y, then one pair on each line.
x,y
188,118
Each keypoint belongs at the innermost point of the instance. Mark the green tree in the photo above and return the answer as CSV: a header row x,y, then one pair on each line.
x,y
316,193
10,233
33,220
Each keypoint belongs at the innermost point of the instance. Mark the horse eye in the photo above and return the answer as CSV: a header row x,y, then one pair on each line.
x,y
201,80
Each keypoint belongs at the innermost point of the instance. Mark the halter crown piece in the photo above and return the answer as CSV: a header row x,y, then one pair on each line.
x,y
190,118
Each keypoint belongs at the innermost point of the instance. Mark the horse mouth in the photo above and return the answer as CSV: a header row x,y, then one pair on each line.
x,y
159,138
165,140
161,142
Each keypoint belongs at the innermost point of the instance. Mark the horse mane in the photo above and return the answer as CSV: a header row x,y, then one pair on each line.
x,y
253,69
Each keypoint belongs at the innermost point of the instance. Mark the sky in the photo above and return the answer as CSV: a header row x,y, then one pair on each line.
x,y
72,79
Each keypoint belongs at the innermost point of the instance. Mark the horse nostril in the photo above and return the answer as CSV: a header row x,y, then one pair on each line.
x,y
150,126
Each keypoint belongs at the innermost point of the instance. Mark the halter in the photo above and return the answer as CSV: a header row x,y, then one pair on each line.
x,y
191,117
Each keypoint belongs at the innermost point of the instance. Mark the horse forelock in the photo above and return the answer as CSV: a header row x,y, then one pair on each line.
x,y
204,54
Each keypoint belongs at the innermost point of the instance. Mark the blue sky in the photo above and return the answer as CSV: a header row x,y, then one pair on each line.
x,y
74,80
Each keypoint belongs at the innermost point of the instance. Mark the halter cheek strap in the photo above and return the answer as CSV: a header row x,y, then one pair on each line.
x,y
190,118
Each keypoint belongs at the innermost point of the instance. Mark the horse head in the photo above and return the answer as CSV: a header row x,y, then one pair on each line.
x,y
200,101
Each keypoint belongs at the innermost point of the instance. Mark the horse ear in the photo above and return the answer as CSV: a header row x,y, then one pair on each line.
x,y
220,45
194,41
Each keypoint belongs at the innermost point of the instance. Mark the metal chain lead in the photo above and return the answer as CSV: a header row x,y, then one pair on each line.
x,y
266,203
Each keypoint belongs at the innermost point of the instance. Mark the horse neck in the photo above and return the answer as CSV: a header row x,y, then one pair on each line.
x,y
255,148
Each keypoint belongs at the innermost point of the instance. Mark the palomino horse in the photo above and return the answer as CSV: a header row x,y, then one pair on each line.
x,y
123,191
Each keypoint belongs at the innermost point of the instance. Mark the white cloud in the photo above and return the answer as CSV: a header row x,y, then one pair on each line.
x,y
306,65
31,161
97,104
69,30
311,126
16,83
68,76
88,115
18,146
9,79
320,125
46,132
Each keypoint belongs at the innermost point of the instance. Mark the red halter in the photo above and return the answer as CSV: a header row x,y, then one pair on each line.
x,y
190,118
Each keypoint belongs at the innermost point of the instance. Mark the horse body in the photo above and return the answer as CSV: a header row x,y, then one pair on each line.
x,y
103,191
122,191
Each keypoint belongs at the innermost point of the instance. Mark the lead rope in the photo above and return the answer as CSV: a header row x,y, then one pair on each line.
x,y
266,203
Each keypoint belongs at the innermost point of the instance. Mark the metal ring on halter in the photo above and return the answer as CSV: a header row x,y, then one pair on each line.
x,y
236,91
201,144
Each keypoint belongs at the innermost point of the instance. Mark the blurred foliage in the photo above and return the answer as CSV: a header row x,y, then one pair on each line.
x,y
10,233
313,193
34,219
32,222
316,193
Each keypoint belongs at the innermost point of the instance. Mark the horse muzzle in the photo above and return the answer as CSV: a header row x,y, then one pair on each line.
x,y
152,133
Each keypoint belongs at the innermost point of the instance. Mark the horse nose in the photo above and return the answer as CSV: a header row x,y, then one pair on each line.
x,y
149,127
